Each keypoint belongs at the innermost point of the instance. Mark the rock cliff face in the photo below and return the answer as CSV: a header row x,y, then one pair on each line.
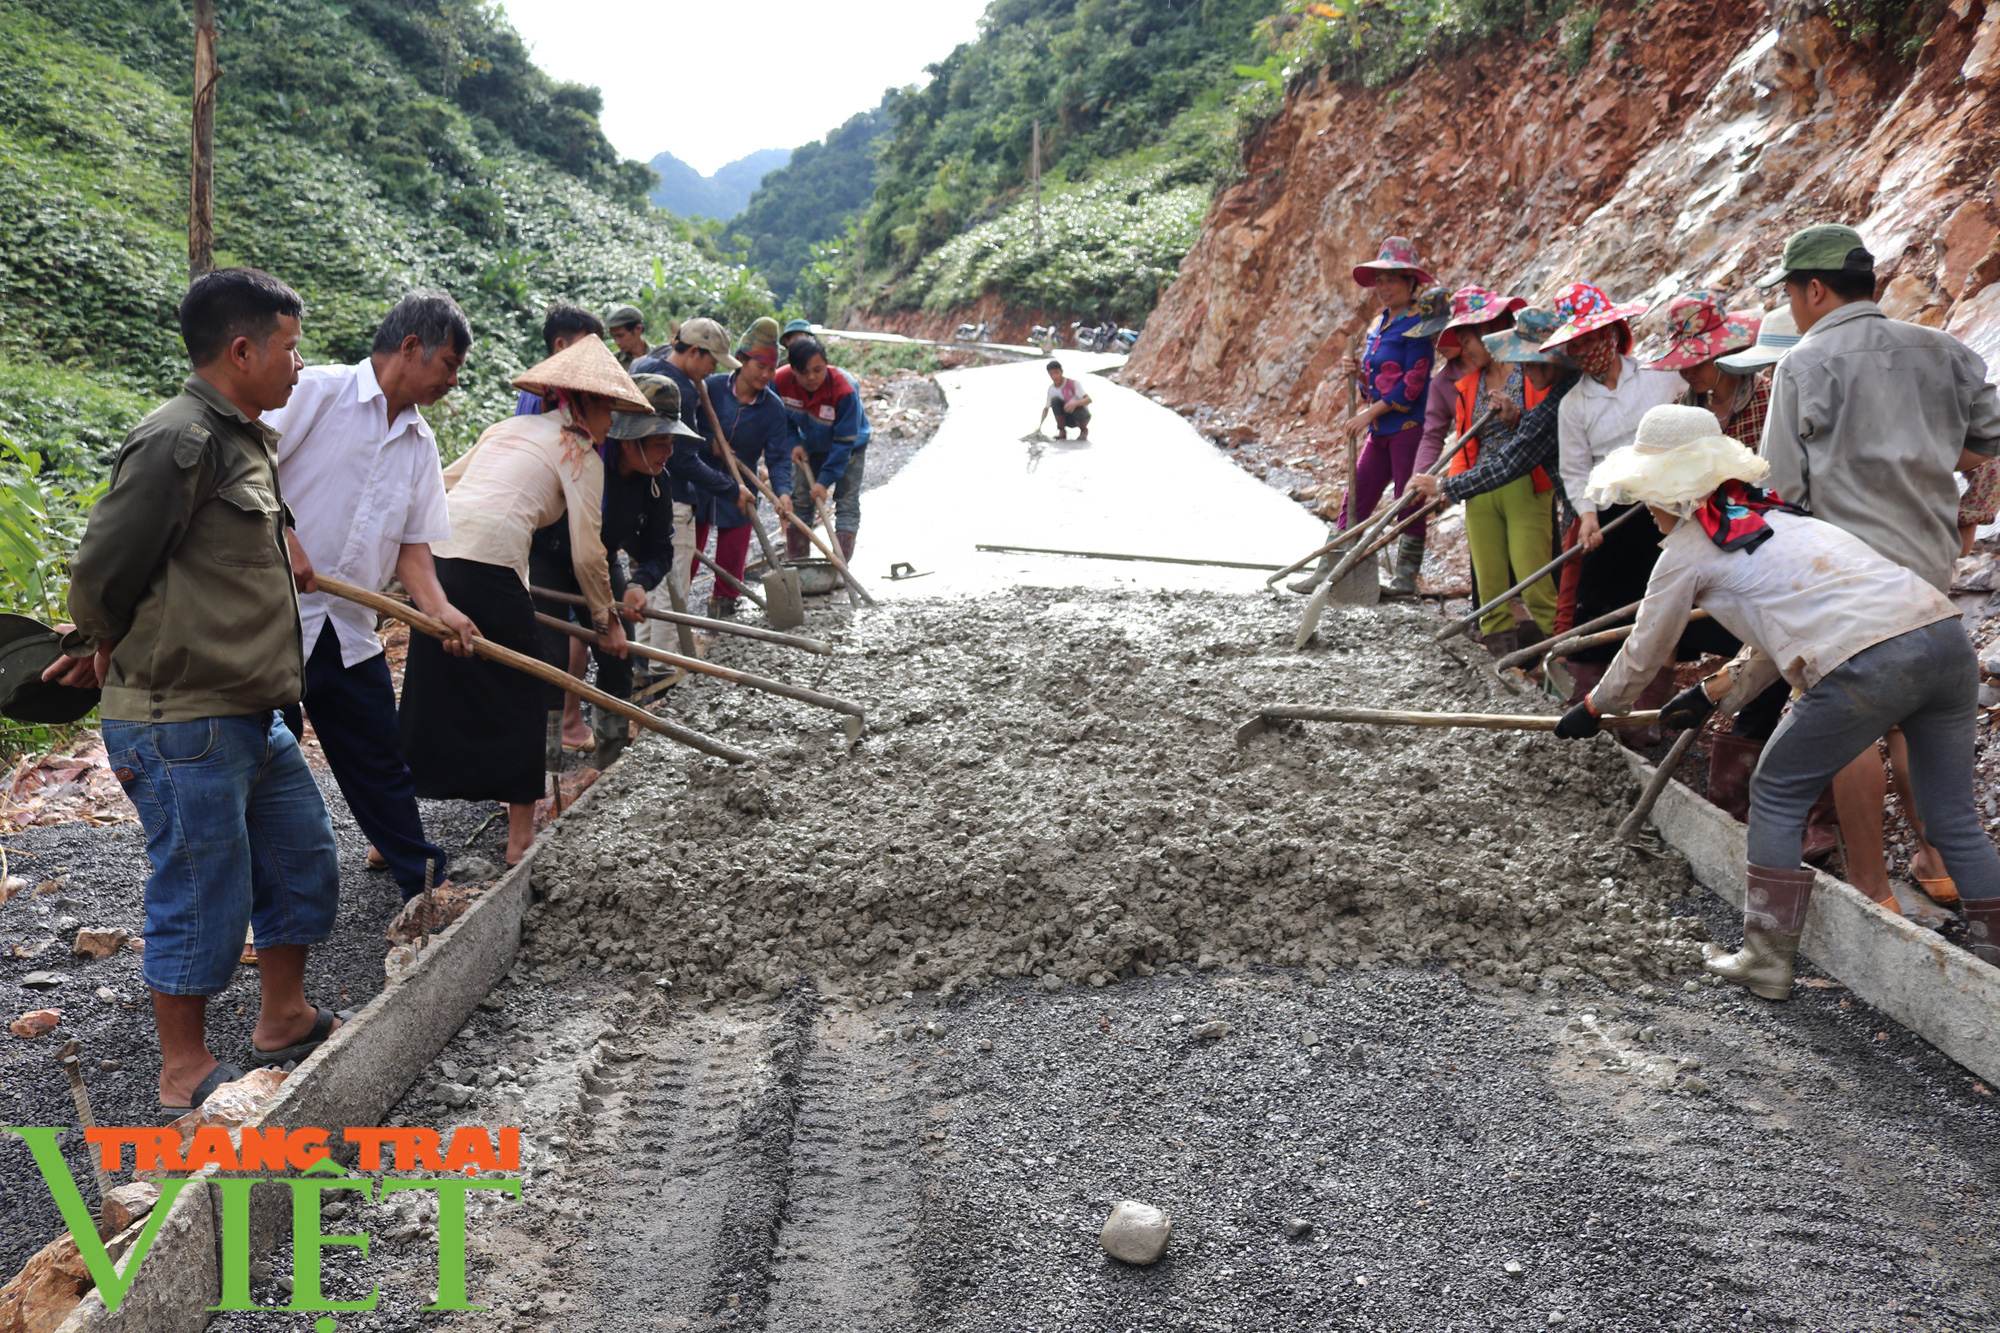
x,y
1697,138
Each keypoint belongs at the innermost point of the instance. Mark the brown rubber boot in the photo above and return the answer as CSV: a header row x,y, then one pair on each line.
x,y
1500,643
846,546
1982,917
1774,916
1731,761
796,545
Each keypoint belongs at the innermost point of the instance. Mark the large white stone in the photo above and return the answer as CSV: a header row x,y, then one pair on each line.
x,y
1136,1233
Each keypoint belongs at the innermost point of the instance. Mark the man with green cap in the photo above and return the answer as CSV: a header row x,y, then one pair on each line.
x,y
627,327
754,426
1870,418
795,330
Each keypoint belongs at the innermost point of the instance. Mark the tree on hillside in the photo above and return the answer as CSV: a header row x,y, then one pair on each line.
x,y
1103,76
812,199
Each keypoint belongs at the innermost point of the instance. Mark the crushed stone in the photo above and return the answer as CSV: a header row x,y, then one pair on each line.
x,y
1049,788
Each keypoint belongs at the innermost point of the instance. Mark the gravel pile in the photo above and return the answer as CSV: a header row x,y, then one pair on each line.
x,y
1050,788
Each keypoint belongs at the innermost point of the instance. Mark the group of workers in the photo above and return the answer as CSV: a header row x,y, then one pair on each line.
x,y
1803,465
1812,510
197,613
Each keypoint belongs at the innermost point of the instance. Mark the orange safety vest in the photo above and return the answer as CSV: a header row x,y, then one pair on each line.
x,y
1468,392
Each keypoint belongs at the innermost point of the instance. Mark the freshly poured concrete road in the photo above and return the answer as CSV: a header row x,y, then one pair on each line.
x,y
1144,483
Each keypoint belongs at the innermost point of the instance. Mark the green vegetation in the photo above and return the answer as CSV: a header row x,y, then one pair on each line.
x,y
364,148
1131,98
812,200
861,356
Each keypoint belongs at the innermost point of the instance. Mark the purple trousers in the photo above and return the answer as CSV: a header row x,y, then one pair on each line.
x,y
1386,460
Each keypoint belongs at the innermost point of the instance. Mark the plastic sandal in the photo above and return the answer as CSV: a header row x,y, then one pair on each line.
x,y
221,1074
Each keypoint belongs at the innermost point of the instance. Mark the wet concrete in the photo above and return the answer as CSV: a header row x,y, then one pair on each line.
x,y
1144,483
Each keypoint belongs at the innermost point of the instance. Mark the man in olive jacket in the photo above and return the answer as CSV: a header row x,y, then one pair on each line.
x,y
185,609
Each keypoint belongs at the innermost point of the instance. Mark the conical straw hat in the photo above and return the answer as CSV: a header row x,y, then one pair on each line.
x,y
585,366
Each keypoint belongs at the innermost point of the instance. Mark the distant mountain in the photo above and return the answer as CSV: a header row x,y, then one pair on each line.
x,y
813,198
685,191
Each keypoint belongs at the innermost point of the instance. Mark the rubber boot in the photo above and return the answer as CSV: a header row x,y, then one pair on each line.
x,y
1585,675
1982,919
721,608
796,545
1409,563
1501,642
612,734
846,545
1731,760
1774,916
1822,828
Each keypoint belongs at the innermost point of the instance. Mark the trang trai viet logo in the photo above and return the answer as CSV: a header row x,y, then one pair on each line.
x,y
256,1156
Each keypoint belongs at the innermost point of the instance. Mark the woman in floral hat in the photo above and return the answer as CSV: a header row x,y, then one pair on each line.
x,y
1481,311
1601,415
1393,371
1700,331
1867,645
1508,529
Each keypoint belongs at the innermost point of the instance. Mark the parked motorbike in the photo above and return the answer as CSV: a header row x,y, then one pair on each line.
x,y
1045,335
1127,339
975,333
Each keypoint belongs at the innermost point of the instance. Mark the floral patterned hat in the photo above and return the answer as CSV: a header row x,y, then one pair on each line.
x,y
1473,306
1522,344
1701,330
1398,256
1584,308
1432,309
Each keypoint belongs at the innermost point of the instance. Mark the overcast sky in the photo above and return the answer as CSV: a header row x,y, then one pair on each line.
x,y
712,82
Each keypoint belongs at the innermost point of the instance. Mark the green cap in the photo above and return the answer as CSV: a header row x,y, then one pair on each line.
x,y
664,419
1822,247
623,315
27,647
796,326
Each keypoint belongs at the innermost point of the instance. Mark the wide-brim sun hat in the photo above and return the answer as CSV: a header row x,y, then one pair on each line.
x,y
585,366
1472,307
1522,344
1677,458
1777,334
1699,330
1584,308
1397,255
27,648
1433,310
661,417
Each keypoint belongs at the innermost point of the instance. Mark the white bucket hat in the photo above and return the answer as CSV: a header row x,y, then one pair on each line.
x,y
1677,458
1776,335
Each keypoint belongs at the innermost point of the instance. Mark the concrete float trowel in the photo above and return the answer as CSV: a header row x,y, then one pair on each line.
x,y
784,599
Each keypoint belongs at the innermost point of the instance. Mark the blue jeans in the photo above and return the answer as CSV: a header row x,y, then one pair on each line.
x,y
1927,683
238,836
353,712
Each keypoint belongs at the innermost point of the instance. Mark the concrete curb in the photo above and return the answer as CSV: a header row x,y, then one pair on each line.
x,y
1941,993
353,1079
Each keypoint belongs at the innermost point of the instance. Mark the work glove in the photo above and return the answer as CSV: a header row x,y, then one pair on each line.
x,y
1578,722
1688,709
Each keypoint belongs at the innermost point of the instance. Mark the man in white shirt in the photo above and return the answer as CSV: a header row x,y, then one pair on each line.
x,y
360,470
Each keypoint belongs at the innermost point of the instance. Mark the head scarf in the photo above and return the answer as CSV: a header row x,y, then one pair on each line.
x,y
1595,356
1733,515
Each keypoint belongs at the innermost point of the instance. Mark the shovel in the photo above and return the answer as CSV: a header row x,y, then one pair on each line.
x,y
784,603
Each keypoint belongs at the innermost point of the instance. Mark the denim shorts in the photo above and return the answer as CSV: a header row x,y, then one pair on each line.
x,y
238,836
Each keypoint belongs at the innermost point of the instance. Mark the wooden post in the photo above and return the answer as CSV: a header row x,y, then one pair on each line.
x,y
1035,169
201,186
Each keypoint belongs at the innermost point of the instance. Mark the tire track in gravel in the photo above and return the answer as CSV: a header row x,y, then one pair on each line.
x,y
751,1173
842,1259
